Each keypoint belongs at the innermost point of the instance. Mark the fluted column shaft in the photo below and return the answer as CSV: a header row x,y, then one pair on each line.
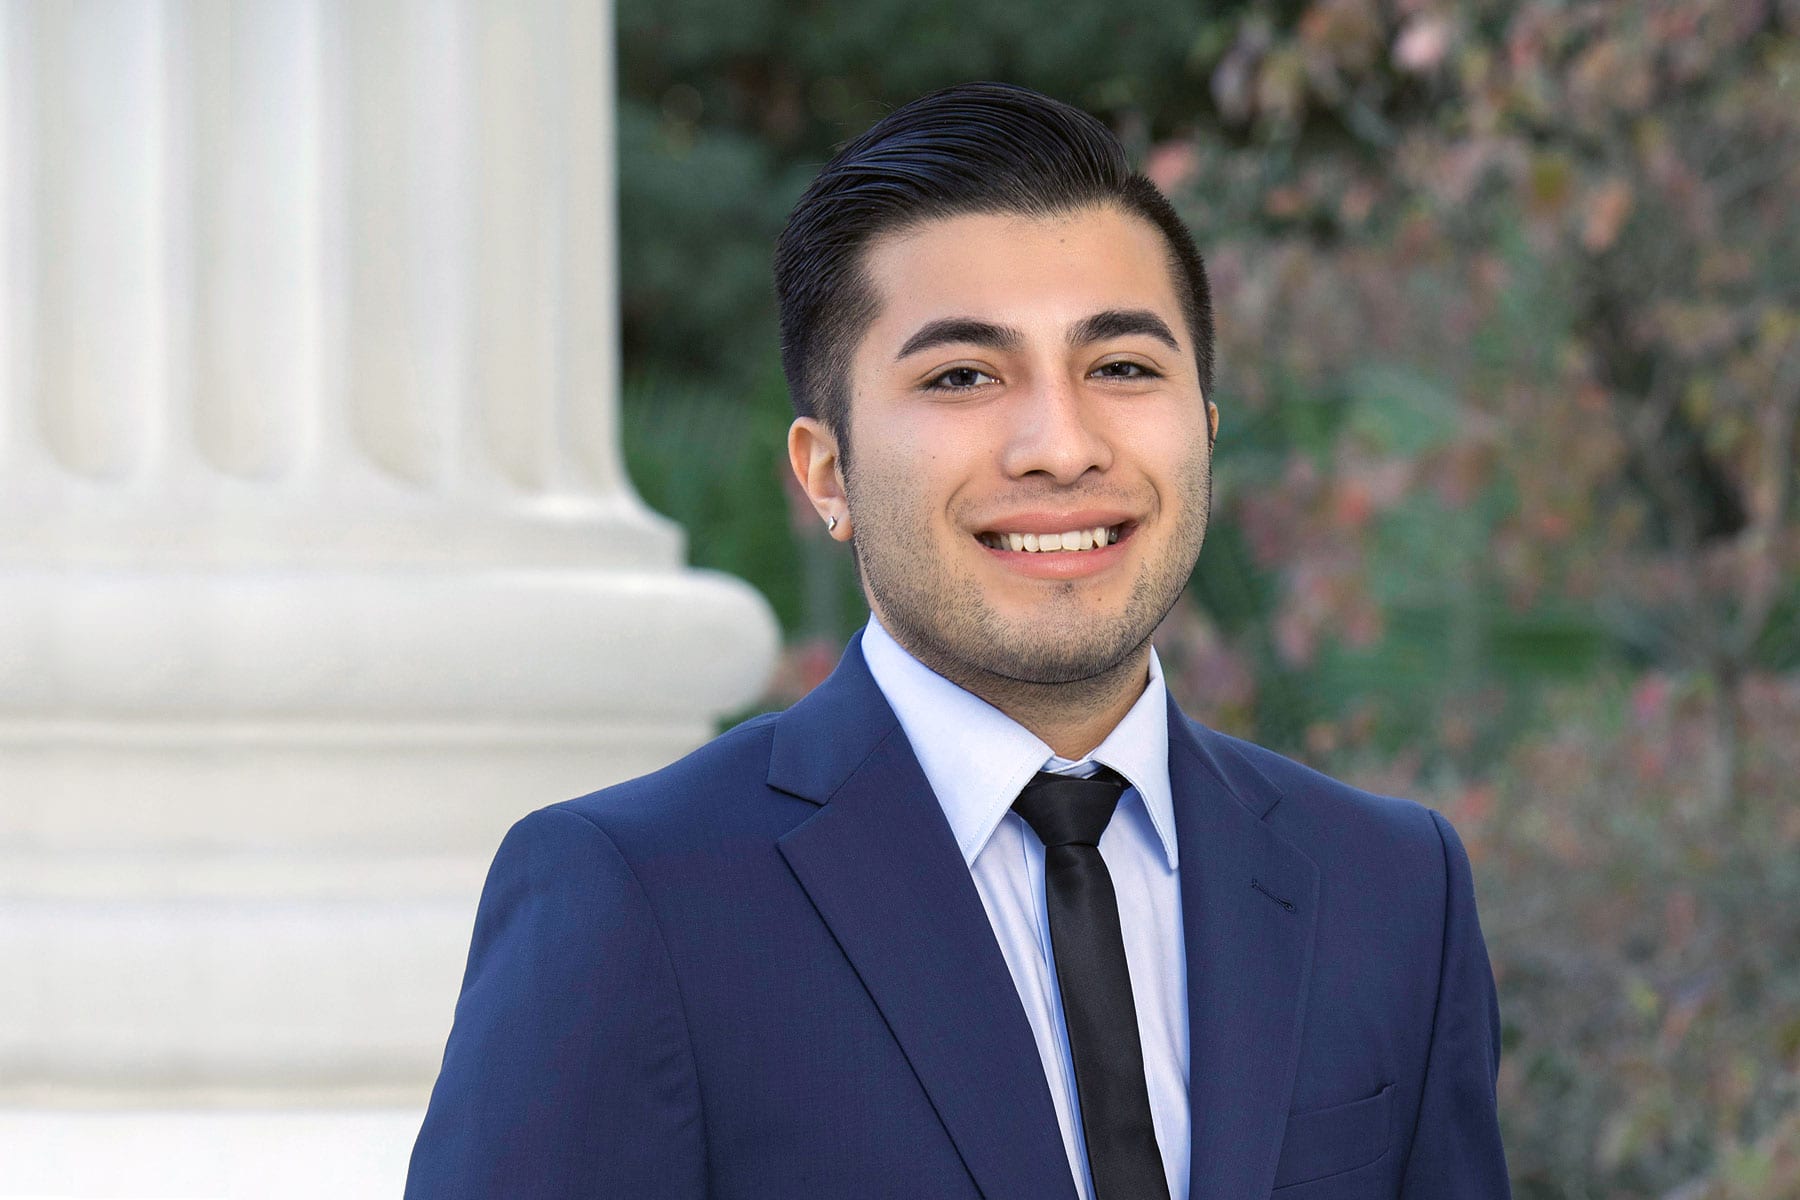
x,y
310,281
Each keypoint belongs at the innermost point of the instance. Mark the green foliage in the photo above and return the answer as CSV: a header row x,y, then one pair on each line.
x,y
710,462
1394,409
697,297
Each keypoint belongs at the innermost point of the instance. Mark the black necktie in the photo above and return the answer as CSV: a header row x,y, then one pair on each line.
x,y
1069,815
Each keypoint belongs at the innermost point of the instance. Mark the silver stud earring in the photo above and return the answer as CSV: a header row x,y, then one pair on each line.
x,y
831,524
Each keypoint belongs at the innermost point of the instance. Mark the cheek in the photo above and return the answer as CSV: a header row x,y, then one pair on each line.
x,y
923,464
1162,452
920,470
1175,444
887,489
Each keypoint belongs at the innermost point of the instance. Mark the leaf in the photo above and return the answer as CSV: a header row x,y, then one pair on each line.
x,y
1399,410
1607,207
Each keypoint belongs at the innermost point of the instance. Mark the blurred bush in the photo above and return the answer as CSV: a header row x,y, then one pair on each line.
x,y
1509,306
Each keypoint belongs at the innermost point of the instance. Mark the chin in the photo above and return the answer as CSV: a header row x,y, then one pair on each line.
x,y
1063,663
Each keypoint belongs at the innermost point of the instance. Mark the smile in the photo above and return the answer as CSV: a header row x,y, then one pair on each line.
x,y
1074,541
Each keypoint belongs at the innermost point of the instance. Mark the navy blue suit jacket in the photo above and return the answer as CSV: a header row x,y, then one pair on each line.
x,y
765,972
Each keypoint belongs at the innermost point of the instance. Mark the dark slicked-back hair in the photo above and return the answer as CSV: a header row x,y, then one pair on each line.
x,y
973,148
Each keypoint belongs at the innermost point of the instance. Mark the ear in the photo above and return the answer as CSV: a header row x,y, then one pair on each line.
x,y
813,455
1212,422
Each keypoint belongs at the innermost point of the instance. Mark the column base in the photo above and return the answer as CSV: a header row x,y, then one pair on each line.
x,y
271,1154
242,853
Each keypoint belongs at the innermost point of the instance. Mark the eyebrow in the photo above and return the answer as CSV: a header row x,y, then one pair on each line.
x,y
962,331
1122,322
969,331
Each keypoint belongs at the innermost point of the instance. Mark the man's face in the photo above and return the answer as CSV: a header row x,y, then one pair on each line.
x,y
1026,379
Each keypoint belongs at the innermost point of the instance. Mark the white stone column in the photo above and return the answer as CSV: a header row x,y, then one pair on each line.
x,y
318,564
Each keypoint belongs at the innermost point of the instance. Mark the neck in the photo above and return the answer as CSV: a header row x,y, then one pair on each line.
x,y
1071,718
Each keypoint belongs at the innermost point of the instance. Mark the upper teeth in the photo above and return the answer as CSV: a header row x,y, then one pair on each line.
x,y
1076,539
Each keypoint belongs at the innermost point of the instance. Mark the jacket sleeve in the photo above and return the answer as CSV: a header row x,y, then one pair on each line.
x,y
1456,1147
569,1071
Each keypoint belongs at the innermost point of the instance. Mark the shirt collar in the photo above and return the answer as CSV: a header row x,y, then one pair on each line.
x,y
977,759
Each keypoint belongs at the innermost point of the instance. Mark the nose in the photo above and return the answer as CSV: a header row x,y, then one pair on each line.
x,y
1056,431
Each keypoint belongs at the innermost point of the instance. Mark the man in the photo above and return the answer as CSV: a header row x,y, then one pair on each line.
x,y
985,914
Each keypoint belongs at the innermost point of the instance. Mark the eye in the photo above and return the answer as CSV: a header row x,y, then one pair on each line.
x,y
959,379
1124,369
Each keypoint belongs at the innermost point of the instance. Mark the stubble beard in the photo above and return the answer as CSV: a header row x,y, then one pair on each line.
x,y
1064,655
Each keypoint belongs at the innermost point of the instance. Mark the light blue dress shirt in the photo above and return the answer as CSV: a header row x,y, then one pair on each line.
x,y
977,759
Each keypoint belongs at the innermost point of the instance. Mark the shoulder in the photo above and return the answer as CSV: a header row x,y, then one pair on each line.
x,y
1393,877
1335,823
714,792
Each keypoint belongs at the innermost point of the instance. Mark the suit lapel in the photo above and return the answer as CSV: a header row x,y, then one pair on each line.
x,y
1249,902
881,866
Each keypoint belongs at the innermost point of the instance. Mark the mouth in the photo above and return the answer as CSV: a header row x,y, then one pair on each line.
x,y
1083,540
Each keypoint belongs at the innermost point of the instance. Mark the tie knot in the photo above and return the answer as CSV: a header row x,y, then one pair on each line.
x,y
1065,810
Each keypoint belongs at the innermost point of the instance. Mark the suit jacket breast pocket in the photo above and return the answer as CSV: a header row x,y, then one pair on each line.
x,y
1333,1141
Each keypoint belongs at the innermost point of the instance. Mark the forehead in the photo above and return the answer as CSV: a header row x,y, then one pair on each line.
x,y
1031,272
